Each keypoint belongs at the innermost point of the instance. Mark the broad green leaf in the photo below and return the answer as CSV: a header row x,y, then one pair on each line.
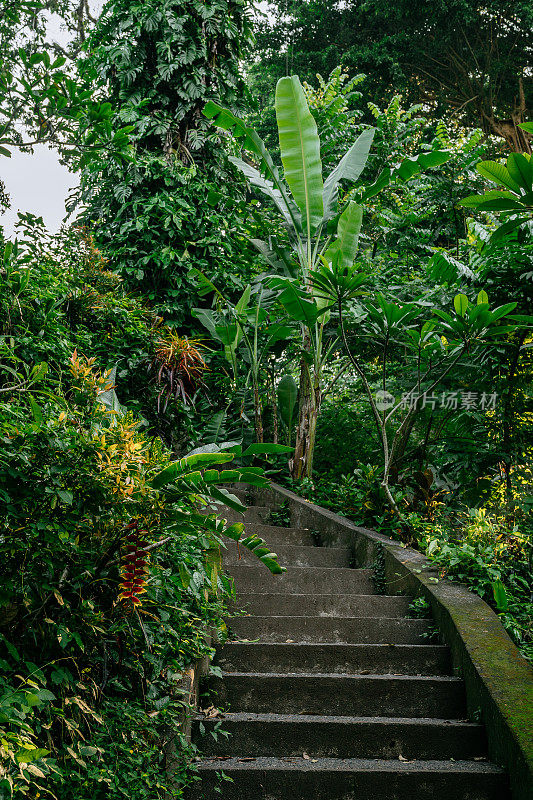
x,y
475,200
282,203
242,305
29,754
249,140
414,164
521,170
500,596
526,126
347,241
287,395
507,227
349,168
278,257
66,496
299,306
266,448
300,151
482,297
502,311
497,173
460,303
207,318
228,334
256,545
224,496
383,180
502,204
36,411
39,371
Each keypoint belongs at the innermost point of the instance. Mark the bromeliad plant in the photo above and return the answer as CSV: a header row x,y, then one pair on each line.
x,y
179,366
316,227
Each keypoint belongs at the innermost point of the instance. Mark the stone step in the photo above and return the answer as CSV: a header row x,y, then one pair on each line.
x,y
284,735
398,659
354,695
302,580
352,630
323,605
348,779
292,555
276,536
254,514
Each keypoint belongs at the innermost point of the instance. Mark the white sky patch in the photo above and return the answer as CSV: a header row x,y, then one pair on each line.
x,y
38,183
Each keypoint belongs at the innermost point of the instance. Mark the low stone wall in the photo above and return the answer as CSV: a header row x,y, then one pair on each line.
x,y
499,682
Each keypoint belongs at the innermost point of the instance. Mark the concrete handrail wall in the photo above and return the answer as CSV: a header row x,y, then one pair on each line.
x,y
499,681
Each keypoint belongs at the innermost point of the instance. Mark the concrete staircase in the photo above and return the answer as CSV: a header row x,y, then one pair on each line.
x,y
329,690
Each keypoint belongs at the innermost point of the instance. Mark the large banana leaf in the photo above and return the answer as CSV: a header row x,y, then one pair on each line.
x,y
300,151
287,396
283,203
276,256
249,140
256,545
349,168
347,241
299,305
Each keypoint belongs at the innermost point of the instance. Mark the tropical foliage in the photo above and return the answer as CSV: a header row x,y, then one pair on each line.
x,y
326,280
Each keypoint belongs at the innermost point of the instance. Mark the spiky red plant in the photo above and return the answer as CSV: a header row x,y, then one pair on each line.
x,y
134,569
179,365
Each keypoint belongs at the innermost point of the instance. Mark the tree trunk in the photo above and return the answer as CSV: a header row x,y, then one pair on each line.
x,y
301,465
517,139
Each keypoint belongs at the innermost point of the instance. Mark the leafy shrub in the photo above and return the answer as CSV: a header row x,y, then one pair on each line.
x,y
490,556
110,576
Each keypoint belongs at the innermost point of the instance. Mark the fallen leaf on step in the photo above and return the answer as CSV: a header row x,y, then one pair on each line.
x,y
289,641
304,755
480,758
211,712
401,758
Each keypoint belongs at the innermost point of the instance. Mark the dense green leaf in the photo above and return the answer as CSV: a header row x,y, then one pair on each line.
x,y
300,151
349,168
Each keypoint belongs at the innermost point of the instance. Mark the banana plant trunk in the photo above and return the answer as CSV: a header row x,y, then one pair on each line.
x,y
301,465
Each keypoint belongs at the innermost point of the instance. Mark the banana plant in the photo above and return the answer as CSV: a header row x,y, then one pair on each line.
x,y
308,204
244,325
317,229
